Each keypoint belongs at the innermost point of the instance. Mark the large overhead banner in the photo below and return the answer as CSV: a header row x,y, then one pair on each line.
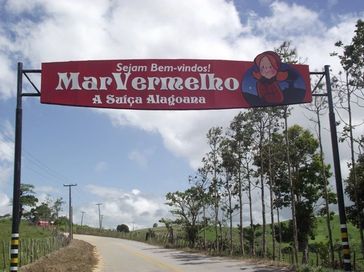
x,y
176,84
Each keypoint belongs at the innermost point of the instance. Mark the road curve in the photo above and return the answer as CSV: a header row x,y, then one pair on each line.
x,y
119,255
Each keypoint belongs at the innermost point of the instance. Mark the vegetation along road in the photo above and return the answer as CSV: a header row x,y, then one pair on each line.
x,y
117,255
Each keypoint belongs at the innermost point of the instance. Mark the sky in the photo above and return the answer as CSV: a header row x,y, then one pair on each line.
x,y
128,160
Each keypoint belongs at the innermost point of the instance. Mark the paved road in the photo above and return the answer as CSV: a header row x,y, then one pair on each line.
x,y
118,255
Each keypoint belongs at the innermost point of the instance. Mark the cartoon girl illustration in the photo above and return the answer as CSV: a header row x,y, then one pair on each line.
x,y
268,77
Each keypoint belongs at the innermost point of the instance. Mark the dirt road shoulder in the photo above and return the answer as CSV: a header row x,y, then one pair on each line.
x,y
78,256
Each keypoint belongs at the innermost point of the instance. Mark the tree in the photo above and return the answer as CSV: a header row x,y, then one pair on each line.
x,y
169,226
273,124
122,228
307,180
355,191
212,162
319,108
56,208
228,166
28,200
41,212
47,210
187,207
259,119
200,180
240,135
289,55
62,222
350,91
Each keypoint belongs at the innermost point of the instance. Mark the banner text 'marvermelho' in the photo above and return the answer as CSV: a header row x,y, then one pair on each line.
x,y
158,84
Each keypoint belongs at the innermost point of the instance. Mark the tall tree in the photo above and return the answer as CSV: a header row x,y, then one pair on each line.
x,y
42,212
212,162
240,134
350,91
279,179
306,168
28,200
355,191
228,169
319,108
187,207
200,180
288,54
260,121
274,115
307,181
56,208
265,161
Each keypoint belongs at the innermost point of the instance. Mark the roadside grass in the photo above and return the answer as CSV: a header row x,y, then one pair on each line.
x,y
315,257
34,242
26,230
321,233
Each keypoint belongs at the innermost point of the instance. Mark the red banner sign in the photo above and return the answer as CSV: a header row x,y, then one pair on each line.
x,y
175,84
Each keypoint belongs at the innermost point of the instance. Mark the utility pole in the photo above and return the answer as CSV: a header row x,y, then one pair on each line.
x,y
338,177
98,204
70,214
82,217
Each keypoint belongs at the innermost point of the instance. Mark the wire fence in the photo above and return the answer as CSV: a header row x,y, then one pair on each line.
x,y
30,250
318,255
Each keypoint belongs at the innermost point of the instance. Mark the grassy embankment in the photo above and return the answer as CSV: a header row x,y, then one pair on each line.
x,y
319,242
34,242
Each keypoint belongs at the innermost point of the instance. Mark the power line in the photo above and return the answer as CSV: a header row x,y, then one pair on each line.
x,y
51,172
46,170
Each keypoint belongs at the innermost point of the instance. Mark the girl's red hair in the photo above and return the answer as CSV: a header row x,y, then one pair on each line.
x,y
272,56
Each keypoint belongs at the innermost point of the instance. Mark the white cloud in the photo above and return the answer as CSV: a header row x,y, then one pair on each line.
x,y
7,77
126,29
66,30
6,165
289,21
119,207
141,29
6,152
183,132
6,142
5,173
5,207
20,6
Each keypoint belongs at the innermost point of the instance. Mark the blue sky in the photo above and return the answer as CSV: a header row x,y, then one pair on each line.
x,y
129,160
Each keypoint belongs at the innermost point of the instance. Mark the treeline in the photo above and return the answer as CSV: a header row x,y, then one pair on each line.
x,y
34,211
258,159
253,154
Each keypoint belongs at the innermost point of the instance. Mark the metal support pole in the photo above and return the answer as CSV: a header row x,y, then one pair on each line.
x,y
83,213
100,226
70,214
14,254
339,186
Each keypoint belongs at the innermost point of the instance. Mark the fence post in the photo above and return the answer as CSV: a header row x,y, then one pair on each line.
x,y
4,255
354,261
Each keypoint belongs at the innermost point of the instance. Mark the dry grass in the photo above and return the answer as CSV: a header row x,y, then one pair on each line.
x,y
78,256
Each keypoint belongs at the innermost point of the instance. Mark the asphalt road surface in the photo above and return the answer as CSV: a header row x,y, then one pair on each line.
x,y
118,255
